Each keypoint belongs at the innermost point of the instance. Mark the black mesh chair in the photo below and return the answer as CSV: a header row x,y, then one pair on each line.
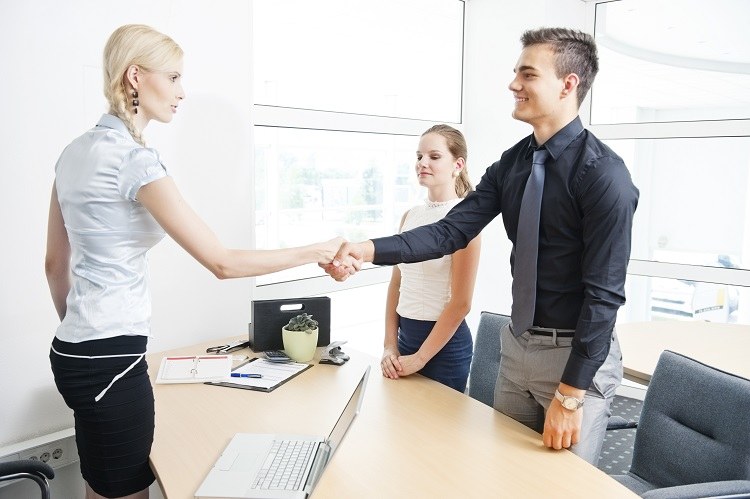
x,y
29,469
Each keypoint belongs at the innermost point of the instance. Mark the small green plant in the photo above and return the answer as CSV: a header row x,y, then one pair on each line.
x,y
302,322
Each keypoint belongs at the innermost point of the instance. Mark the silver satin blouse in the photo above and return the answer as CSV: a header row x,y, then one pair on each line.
x,y
97,179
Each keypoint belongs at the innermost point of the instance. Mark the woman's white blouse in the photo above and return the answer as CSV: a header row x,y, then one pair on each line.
x,y
425,286
97,179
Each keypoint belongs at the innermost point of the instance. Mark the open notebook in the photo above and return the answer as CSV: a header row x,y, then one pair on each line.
x,y
277,466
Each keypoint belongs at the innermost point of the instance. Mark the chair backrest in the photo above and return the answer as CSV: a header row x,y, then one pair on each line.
x,y
486,361
694,426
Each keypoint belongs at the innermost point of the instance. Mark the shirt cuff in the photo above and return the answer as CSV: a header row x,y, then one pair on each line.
x,y
579,371
387,251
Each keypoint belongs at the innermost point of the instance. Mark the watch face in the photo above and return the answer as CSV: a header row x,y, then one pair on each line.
x,y
570,403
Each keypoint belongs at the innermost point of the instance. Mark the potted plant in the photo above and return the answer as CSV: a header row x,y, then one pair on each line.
x,y
300,337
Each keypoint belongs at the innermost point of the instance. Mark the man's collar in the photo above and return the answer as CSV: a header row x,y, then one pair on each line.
x,y
561,140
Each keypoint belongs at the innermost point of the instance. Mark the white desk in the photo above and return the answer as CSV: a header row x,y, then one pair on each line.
x,y
413,438
723,346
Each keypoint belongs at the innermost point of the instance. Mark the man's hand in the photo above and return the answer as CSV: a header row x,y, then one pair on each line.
x,y
327,250
349,259
562,427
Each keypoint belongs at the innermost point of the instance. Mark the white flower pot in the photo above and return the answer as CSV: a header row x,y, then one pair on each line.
x,y
300,345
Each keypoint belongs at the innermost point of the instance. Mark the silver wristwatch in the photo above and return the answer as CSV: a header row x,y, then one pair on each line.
x,y
570,403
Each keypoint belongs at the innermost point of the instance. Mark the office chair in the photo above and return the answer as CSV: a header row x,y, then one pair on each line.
x,y
28,468
693,437
485,363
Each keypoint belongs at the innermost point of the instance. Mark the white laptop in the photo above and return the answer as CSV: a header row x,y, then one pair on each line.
x,y
273,466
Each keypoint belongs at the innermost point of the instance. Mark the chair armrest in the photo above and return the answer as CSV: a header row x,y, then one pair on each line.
x,y
26,466
620,423
726,489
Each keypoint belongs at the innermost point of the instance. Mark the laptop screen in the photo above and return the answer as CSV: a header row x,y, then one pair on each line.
x,y
348,414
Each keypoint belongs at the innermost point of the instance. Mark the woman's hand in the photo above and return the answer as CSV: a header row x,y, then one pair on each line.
x,y
349,259
411,364
328,250
390,364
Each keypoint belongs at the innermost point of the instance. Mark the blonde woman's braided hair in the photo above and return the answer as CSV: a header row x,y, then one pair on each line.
x,y
457,147
133,44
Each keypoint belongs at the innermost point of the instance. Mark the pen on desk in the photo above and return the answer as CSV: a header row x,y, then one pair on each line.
x,y
244,375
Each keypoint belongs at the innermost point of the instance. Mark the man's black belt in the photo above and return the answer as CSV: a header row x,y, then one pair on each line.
x,y
551,331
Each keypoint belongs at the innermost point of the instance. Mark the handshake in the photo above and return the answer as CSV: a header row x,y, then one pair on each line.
x,y
341,259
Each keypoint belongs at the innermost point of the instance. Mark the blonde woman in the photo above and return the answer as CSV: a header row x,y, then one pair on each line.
x,y
112,200
427,302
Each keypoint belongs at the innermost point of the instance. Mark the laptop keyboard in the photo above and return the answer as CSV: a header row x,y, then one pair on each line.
x,y
284,465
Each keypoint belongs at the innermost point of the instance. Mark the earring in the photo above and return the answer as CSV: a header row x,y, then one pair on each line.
x,y
135,101
456,173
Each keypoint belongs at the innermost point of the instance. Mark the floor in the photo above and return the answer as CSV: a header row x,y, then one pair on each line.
x,y
617,450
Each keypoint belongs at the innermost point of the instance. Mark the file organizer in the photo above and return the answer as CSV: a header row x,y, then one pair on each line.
x,y
269,316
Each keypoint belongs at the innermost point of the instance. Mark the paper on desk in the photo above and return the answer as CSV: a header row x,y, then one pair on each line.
x,y
274,374
196,369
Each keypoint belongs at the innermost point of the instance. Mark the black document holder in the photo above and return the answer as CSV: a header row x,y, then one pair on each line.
x,y
269,316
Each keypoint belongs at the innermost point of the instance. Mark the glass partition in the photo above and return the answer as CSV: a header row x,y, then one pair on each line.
x,y
657,298
694,203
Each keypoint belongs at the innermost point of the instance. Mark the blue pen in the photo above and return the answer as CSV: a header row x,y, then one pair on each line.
x,y
243,375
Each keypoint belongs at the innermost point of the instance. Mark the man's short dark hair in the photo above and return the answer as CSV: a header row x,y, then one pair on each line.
x,y
575,52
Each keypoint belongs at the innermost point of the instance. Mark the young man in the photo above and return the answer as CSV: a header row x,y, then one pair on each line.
x,y
561,363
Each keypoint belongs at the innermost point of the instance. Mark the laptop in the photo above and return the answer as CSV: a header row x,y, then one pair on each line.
x,y
278,466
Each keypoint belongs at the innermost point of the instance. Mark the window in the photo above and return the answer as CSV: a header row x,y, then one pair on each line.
x,y
659,298
343,89
671,99
690,187
316,184
387,58
662,62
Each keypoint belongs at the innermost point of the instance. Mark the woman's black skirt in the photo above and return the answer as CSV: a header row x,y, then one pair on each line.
x,y
115,433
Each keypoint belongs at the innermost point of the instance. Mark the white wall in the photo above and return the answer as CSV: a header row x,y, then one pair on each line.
x,y
51,84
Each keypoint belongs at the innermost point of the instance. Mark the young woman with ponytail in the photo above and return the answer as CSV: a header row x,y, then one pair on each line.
x,y
427,302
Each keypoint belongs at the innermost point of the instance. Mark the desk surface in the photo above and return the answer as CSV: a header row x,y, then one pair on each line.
x,y
412,438
723,346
